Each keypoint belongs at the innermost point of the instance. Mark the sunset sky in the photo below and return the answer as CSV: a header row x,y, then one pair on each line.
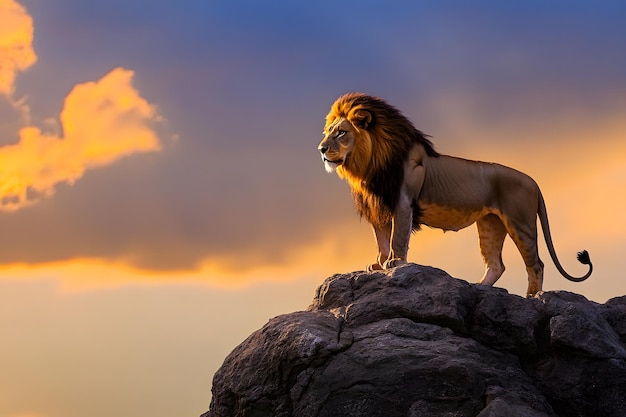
x,y
161,193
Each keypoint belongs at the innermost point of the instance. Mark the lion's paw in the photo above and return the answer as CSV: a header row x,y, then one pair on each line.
x,y
392,263
374,267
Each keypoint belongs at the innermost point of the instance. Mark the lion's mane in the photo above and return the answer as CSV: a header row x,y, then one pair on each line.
x,y
375,168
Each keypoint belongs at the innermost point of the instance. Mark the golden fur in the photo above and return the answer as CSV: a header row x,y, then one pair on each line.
x,y
400,182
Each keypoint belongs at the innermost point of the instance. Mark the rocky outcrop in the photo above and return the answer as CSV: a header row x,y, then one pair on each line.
x,y
415,342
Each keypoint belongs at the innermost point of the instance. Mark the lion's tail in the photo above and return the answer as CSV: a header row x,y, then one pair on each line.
x,y
583,256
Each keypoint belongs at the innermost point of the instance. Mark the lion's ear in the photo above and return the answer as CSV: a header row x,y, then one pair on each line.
x,y
361,118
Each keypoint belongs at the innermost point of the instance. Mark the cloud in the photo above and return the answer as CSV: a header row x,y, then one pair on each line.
x,y
101,122
314,260
16,38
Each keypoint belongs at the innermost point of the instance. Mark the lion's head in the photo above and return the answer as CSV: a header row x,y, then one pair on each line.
x,y
340,139
364,136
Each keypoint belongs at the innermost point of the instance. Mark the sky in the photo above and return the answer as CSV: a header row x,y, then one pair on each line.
x,y
161,193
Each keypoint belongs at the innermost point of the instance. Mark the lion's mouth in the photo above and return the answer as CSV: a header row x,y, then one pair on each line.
x,y
331,165
336,162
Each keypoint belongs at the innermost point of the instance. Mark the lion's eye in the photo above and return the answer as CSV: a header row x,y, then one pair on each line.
x,y
340,133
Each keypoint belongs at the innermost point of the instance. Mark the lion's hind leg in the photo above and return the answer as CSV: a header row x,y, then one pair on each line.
x,y
524,234
491,234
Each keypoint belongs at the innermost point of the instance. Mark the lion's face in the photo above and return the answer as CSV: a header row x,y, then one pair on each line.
x,y
338,143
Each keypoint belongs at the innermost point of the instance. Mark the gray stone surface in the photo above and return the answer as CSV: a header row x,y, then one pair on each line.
x,y
416,342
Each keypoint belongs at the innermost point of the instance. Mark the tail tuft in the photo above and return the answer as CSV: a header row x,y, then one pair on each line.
x,y
583,257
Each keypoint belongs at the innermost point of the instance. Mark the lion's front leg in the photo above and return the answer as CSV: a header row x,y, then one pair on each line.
x,y
400,233
383,240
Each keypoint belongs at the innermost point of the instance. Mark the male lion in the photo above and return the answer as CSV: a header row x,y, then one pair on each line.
x,y
399,182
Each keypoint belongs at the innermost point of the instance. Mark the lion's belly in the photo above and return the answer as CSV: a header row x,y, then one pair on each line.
x,y
448,218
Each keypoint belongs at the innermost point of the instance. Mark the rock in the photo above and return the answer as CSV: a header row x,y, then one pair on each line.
x,y
415,342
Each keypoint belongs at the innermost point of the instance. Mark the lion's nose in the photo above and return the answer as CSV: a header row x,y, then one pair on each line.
x,y
323,149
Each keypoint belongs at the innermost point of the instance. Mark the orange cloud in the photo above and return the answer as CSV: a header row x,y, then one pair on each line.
x,y
101,121
16,38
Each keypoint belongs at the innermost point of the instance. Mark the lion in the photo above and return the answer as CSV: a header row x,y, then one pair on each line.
x,y
399,182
